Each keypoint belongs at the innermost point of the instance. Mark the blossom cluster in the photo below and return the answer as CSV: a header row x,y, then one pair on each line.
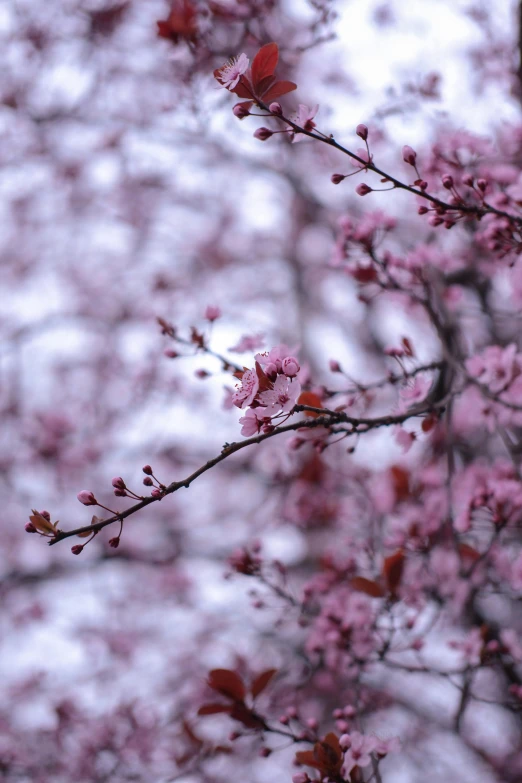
x,y
269,390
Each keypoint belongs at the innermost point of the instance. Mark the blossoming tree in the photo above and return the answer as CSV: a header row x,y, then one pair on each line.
x,y
365,504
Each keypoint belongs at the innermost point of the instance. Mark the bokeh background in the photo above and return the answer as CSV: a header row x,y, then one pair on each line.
x,y
129,191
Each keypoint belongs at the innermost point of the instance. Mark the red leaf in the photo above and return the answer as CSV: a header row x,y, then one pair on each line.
x,y
265,62
408,347
245,716
278,89
392,570
227,683
467,552
213,709
401,482
261,681
368,586
243,89
429,422
265,383
307,757
312,400
329,754
364,274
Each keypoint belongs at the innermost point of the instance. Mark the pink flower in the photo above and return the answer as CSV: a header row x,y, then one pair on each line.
x,y
305,116
358,754
415,391
248,342
231,72
274,356
495,367
212,313
404,438
282,397
251,424
246,392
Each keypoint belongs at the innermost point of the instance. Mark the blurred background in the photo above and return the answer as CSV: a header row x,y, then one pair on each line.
x,y
129,191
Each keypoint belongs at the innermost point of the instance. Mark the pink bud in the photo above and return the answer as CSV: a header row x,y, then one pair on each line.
x,y
30,528
276,109
345,741
467,180
77,549
435,221
202,374
312,723
212,313
263,134
363,189
447,181
156,493
265,752
300,777
240,111
409,155
45,515
337,178
118,483
449,223
334,365
362,131
170,354
147,469
120,493
148,481
114,542
482,184
290,367
87,498
422,184
422,210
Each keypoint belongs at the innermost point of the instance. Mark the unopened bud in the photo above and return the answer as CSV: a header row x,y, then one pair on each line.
x,y
240,111
362,132
118,483
263,134
156,493
30,528
409,155
435,221
447,181
148,481
363,189
467,180
170,354
334,365
276,109
147,469
87,498
336,179
482,184
114,542
77,549
422,210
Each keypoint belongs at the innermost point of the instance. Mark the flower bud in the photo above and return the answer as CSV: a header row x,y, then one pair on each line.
x,y
263,134
482,184
147,469
148,481
87,498
422,210
156,493
362,131
345,741
276,109
212,313
77,549
447,181
45,515
114,542
363,189
290,367
170,354
118,483
409,155
300,777
120,493
467,180
30,528
240,111
435,221
336,179
334,365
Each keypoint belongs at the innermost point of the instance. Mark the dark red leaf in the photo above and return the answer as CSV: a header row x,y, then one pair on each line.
x,y
245,716
312,400
265,62
278,89
213,709
307,757
401,482
261,681
227,683
392,571
364,274
368,586
265,384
